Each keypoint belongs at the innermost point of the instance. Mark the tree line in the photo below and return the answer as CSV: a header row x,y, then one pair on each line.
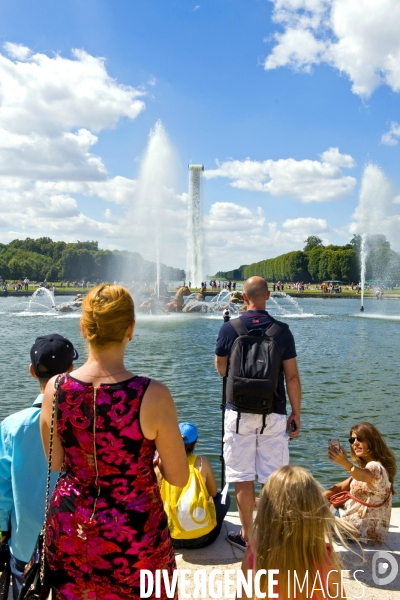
x,y
61,261
316,263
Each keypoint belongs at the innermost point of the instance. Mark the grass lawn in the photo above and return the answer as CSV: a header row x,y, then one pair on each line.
x,y
32,287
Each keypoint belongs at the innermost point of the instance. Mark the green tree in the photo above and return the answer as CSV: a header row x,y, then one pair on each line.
x,y
93,246
323,265
314,257
334,270
356,243
313,241
377,240
4,272
393,268
28,264
349,265
378,262
77,264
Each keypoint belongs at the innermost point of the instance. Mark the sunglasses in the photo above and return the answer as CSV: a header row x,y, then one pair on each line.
x,y
353,439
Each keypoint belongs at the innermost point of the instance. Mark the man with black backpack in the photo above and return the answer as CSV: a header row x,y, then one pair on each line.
x,y
257,355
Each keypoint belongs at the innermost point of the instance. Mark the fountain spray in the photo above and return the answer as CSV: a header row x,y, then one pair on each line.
x,y
155,181
363,267
195,245
376,213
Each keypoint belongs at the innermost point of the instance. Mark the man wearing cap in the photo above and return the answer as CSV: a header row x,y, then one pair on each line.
x,y
23,466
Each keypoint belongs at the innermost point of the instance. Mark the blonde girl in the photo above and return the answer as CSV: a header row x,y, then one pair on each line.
x,y
292,532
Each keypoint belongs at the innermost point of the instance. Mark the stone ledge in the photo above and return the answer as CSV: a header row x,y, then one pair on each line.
x,y
221,555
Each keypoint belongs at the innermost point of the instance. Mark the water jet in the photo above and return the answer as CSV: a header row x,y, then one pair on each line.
x,y
195,240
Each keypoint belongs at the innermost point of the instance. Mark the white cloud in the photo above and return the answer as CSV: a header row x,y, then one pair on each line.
x,y
236,235
360,38
51,95
18,51
231,248
35,156
333,156
40,209
227,216
307,180
52,110
297,48
389,138
22,202
51,107
119,190
306,225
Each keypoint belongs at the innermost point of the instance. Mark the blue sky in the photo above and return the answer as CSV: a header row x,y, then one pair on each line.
x,y
284,102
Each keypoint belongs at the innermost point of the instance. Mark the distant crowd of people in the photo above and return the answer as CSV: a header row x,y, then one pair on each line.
x,y
24,284
217,285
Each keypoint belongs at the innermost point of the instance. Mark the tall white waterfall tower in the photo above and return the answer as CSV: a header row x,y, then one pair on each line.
x,y
195,242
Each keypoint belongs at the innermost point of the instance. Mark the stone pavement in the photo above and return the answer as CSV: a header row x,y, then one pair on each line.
x,y
221,555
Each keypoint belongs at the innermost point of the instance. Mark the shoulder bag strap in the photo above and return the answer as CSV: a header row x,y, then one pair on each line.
x,y
47,501
51,436
367,503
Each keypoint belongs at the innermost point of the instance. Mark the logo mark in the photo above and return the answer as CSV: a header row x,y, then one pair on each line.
x,y
384,568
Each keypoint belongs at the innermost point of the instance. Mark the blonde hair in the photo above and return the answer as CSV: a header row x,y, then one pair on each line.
x,y
107,311
377,446
292,529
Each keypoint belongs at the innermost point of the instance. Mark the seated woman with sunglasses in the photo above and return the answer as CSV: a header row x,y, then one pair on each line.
x,y
370,483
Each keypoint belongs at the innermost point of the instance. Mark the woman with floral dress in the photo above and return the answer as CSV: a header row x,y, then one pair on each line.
x,y
370,483
106,520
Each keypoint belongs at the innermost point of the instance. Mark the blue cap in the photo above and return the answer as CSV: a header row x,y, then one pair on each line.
x,y
189,432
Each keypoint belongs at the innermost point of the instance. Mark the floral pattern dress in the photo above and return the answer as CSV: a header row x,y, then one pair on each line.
x,y
106,519
372,524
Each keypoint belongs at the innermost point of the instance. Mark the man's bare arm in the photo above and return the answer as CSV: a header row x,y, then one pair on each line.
x,y
221,363
293,388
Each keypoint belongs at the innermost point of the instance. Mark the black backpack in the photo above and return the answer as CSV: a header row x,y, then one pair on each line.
x,y
255,362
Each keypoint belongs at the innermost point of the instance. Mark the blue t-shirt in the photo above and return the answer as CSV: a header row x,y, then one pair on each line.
x,y
23,477
260,319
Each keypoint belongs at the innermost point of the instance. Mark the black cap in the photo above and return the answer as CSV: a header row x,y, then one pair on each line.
x,y
54,352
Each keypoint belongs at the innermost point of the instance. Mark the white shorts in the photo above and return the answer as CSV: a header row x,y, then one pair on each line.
x,y
249,453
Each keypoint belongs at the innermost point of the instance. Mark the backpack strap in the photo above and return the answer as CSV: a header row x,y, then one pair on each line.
x,y
241,329
239,326
273,330
263,423
237,421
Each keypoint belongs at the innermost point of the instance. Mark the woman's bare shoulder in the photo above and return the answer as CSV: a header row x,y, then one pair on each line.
x,y
158,412
157,391
157,400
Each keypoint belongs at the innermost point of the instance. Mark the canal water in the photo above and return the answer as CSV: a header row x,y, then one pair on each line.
x,y
349,364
